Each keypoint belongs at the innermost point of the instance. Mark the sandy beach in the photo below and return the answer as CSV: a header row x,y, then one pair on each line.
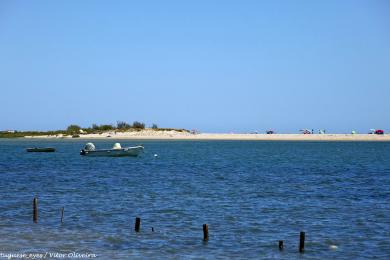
x,y
177,135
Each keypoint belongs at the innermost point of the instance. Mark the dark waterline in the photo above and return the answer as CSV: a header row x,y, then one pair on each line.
x,y
251,194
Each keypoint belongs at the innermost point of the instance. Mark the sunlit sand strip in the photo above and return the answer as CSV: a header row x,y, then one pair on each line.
x,y
173,135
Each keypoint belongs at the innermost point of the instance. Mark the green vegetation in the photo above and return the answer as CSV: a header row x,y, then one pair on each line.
x,y
96,127
138,125
106,127
75,131
122,125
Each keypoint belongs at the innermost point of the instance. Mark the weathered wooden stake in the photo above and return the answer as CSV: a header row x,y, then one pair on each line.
x,y
137,224
280,245
152,229
35,210
302,242
205,232
62,215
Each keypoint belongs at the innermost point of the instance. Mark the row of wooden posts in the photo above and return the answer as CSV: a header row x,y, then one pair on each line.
x,y
137,227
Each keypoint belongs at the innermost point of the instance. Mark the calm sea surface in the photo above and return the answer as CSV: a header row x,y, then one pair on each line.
x,y
251,194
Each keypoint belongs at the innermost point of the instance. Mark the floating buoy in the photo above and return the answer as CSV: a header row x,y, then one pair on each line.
x,y
155,155
333,247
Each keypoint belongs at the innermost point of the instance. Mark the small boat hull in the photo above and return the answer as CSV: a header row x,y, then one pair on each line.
x,y
41,150
123,152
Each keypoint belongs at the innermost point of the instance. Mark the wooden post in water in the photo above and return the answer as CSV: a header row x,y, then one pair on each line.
x,y
35,210
62,215
280,245
205,232
302,242
137,224
152,229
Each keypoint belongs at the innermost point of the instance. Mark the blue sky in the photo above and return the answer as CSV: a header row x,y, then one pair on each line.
x,y
216,66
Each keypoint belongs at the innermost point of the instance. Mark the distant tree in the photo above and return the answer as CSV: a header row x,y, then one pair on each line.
x,y
154,126
122,125
138,125
106,127
95,127
73,129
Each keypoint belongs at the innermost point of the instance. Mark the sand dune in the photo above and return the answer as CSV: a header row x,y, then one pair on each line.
x,y
176,135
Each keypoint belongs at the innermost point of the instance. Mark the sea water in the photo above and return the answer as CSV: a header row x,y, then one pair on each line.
x,y
251,194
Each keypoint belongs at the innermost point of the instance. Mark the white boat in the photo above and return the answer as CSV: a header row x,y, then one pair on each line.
x,y
116,151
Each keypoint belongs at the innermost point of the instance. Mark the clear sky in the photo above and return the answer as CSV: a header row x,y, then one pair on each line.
x,y
215,66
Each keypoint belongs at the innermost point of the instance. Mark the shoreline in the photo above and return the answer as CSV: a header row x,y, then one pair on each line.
x,y
173,135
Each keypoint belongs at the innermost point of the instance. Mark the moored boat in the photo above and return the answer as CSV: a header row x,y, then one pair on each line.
x,y
116,151
41,150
